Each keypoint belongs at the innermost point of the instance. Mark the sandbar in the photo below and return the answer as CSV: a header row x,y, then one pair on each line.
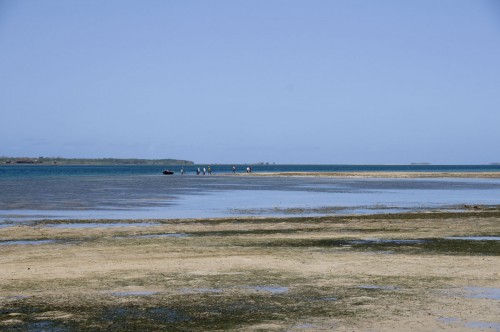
x,y
381,174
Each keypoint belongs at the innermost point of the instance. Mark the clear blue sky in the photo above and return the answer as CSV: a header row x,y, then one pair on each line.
x,y
351,81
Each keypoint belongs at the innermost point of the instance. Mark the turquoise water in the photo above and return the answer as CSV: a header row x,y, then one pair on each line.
x,y
33,192
75,170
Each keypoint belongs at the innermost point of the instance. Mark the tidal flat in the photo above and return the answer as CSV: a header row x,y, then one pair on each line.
x,y
384,272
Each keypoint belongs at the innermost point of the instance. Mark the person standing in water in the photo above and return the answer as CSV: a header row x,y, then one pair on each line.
x,y
234,169
182,170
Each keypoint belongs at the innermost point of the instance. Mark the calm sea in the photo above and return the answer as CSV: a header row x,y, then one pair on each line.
x,y
29,192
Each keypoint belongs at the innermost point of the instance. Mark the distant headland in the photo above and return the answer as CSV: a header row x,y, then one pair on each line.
x,y
89,161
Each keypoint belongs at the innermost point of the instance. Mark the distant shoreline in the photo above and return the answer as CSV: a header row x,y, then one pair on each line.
x,y
380,174
90,161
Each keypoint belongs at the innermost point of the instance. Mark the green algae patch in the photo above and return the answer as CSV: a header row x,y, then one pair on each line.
x,y
407,246
187,312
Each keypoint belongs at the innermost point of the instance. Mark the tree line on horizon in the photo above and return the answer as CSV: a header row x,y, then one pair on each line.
x,y
92,161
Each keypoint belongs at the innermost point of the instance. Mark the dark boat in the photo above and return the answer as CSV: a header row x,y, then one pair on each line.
x,y
168,172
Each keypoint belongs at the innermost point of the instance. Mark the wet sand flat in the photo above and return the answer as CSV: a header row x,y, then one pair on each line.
x,y
421,271
402,175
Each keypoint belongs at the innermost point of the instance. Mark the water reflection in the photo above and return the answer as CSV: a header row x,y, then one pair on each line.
x,y
160,197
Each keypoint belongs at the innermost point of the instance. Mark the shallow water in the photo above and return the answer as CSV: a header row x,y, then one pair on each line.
x,y
394,241
100,225
269,289
25,242
491,326
483,325
474,238
156,236
482,293
136,195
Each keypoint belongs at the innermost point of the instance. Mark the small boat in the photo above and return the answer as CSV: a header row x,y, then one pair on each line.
x,y
168,172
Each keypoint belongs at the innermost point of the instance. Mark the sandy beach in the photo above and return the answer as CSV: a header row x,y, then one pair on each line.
x,y
273,166
485,175
345,273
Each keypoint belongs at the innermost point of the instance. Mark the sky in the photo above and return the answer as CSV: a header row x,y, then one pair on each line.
x,y
284,81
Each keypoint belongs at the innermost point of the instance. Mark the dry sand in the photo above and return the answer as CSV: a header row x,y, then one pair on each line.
x,y
490,175
290,274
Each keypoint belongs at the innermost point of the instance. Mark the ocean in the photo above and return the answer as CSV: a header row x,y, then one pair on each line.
x,y
33,192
